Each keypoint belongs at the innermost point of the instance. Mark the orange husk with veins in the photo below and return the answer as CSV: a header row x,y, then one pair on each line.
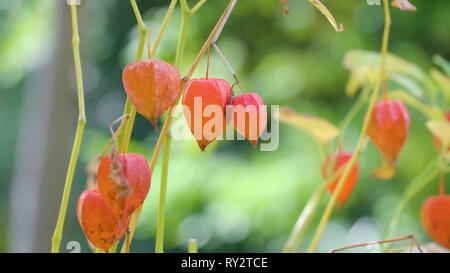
x,y
334,164
201,96
388,130
249,116
101,227
123,181
152,86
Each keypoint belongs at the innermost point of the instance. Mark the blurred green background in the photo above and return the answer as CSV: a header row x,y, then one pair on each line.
x,y
232,198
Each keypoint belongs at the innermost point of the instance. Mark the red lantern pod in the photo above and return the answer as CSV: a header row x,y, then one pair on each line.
x,y
101,227
152,86
204,106
388,130
124,182
334,163
436,141
435,215
249,116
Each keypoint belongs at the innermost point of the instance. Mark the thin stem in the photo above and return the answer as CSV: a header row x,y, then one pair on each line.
x,y
131,111
354,110
311,208
159,243
303,222
57,235
192,246
164,24
159,246
125,135
197,6
402,238
417,185
230,68
361,142
211,38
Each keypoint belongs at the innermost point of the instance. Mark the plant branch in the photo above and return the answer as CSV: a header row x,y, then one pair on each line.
x,y
57,235
361,142
197,6
211,38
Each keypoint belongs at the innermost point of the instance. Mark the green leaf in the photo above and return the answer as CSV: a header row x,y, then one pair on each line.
x,y
364,69
319,128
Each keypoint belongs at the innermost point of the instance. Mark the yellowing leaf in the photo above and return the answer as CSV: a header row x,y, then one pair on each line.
x,y
284,4
364,68
440,129
403,5
324,10
319,128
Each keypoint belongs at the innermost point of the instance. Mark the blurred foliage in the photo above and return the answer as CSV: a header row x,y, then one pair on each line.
x,y
234,198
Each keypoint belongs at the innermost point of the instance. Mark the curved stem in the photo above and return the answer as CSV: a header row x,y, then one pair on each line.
x,y
361,142
57,234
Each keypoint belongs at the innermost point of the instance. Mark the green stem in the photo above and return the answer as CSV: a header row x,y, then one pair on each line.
x,y
361,142
303,222
197,6
354,110
159,247
416,186
125,135
57,235
211,39
192,246
159,244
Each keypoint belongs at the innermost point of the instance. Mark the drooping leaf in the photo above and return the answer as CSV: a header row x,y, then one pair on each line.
x,y
324,10
432,112
364,68
284,4
319,128
403,5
